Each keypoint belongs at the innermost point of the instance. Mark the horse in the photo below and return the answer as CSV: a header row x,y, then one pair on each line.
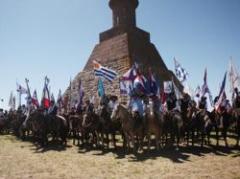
x,y
153,125
173,124
222,122
41,125
200,122
236,118
75,127
131,127
107,125
91,125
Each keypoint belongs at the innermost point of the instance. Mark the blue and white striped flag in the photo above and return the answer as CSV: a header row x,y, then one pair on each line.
x,y
104,72
180,72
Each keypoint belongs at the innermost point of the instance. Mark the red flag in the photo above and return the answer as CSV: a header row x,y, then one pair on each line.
x,y
35,99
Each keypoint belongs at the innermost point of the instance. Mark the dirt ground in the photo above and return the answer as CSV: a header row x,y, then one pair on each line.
x,y
25,160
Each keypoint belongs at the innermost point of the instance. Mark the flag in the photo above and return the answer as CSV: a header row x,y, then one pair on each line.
x,y
140,84
180,72
131,74
223,84
46,95
81,94
152,87
29,97
21,89
52,98
234,76
222,94
126,82
176,91
205,88
104,72
168,87
12,102
101,90
198,91
59,99
35,99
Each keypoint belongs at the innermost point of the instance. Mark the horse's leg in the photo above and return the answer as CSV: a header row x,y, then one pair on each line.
x,y
202,137
114,139
225,136
217,134
149,141
108,141
193,131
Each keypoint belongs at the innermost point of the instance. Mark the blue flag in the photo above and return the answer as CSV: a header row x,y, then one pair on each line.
x,y
101,90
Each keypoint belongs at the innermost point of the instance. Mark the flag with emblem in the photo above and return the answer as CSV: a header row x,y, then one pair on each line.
x,y
104,72
180,72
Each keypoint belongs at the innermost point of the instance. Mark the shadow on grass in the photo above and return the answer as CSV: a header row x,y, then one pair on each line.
x,y
179,155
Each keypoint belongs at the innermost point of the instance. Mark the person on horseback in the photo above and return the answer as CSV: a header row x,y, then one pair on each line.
x,y
236,102
52,111
1,113
89,107
202,104
113,100
171,101
185,101
136,103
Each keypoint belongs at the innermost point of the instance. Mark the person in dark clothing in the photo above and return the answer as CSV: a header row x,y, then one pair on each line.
x,y
52,109
171,101
237,98
89,108
202,103
185,102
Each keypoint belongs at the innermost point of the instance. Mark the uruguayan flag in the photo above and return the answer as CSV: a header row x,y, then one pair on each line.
x,y
104,72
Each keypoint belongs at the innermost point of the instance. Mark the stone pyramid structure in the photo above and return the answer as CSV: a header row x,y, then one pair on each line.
x,y
118,49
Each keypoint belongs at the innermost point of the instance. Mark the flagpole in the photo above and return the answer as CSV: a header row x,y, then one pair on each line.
x,y
70,95
20,96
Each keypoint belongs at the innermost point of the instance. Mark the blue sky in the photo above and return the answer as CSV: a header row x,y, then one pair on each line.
x,y
56,37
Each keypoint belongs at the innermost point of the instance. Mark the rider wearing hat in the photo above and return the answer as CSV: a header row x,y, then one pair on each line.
x,y
202,103
53,108
237,98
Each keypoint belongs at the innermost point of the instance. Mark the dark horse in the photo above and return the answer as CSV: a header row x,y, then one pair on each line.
x,y
42,125
107,125
91,127
236,117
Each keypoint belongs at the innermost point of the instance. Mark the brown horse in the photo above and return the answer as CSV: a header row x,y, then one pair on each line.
x,y
132,128
153,125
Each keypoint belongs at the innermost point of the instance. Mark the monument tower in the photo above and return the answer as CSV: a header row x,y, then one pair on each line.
x,y
118,49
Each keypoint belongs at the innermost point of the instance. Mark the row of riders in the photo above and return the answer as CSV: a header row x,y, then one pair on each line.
x,y
143,117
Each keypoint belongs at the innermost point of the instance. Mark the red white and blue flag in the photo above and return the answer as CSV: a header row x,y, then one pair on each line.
x,y
222,94
152,84
104,72
35,99
46,95
126,82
